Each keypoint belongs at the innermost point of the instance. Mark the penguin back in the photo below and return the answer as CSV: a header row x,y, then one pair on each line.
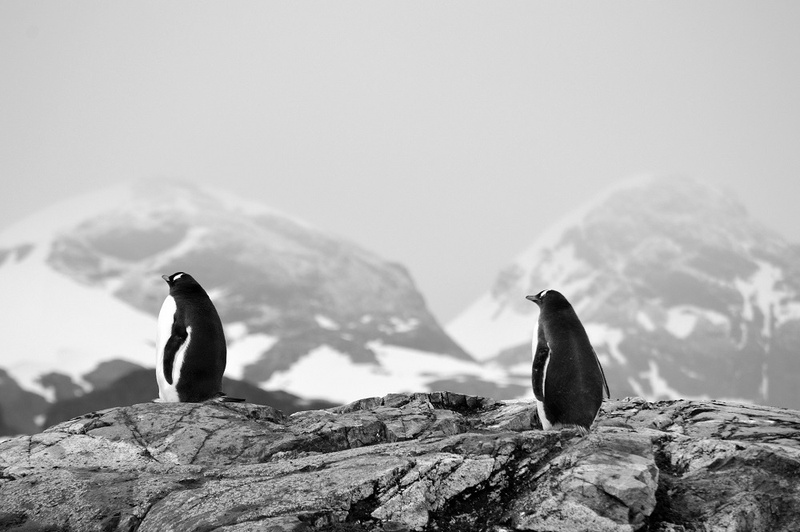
x,y
571,378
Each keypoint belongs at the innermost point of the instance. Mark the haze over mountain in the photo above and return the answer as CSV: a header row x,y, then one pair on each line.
x,y
304,312
681,292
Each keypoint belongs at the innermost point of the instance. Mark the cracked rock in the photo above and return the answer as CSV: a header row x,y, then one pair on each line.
x,y
439,461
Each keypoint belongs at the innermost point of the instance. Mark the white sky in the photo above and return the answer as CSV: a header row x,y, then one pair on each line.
x,y
443,135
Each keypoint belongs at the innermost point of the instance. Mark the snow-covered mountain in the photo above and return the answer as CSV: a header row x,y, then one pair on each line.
x,y
681,292
304,311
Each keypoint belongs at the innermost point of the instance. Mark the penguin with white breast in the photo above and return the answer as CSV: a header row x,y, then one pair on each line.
x,y
191,349
568,380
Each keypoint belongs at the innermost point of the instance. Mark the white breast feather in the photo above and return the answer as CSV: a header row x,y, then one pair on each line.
x,y
546,425
544,370
166,391
539,405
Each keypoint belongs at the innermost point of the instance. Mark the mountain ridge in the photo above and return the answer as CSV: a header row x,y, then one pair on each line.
x,y
682,294
288,294
675,284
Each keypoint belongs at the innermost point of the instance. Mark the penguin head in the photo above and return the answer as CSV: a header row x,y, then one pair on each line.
x,y
180,281
549,299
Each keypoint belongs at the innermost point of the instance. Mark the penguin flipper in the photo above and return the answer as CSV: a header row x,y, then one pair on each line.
x,y
540,359
602,373
171,348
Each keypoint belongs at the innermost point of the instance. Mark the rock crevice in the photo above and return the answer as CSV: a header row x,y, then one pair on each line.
x,y
438,461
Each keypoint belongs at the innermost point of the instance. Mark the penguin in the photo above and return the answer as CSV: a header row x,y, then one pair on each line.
x,y
568,380
190,344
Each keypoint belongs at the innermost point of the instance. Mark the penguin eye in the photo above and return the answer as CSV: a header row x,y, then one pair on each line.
x,y
543,293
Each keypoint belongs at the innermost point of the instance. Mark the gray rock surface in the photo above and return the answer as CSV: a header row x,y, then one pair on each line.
x,y
437,461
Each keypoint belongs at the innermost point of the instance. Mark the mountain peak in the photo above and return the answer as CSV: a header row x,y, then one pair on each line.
x,y
675,284
81,284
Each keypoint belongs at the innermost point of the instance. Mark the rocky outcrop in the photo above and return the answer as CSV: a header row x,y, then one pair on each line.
x,y
139,386
438,461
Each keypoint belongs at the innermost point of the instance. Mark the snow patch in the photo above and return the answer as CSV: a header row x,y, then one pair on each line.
x,y
763,388
410,362
194,239
523,369
326,323
244,349
404,326
235,331
327,373
487,327
761,291
324,371
91,326
644,320
681,321
602,334
638,390
789,311
660,388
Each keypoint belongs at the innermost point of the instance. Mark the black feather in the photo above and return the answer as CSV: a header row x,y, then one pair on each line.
x,y
572,391
539,363
603,373
174,343
204,361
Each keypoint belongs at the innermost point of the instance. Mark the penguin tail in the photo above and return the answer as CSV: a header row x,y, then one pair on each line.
x,y
222,398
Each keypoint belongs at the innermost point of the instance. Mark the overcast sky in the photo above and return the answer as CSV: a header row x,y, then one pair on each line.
x,y
443,135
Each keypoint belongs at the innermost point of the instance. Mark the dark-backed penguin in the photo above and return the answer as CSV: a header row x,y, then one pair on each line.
x,y
190,343
568,380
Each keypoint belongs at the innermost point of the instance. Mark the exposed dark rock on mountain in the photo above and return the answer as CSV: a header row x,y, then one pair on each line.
x,y
108,372
289,295
436,461
272,273
5,430
682,293
20,408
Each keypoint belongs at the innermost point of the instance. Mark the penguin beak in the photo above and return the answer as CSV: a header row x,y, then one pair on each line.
x,y
535,299
166,278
